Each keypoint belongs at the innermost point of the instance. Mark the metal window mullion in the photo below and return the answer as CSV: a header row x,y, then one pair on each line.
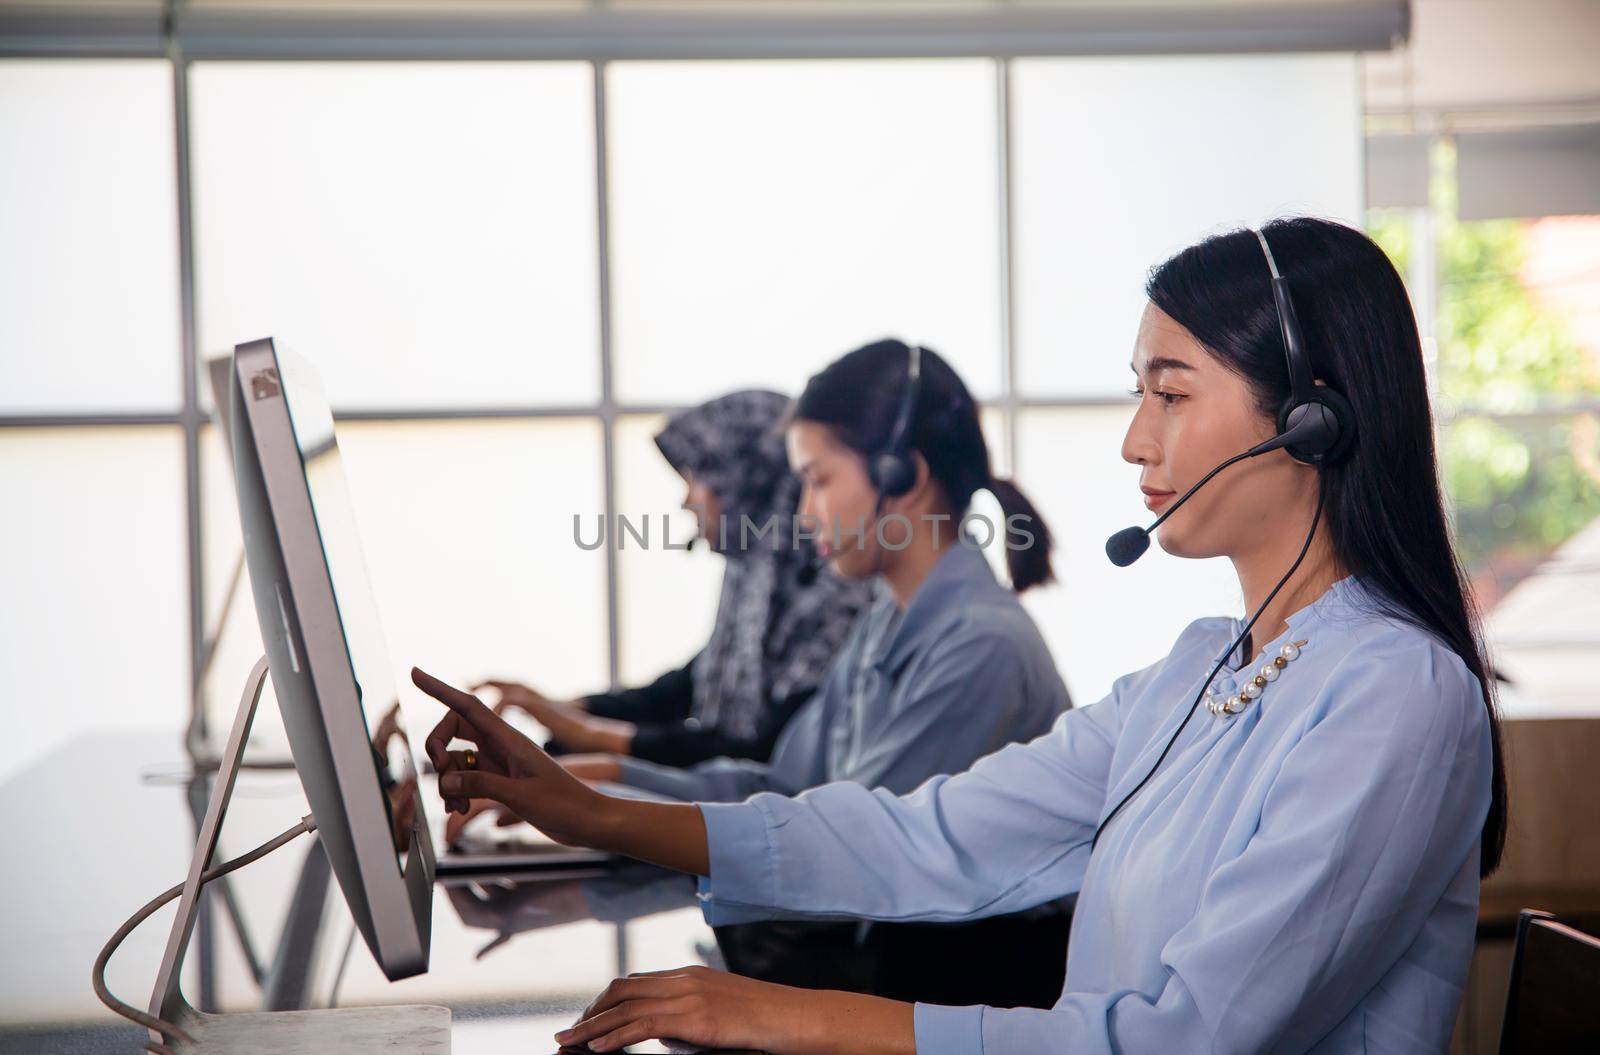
x,y
598,32
190,416
490,413
89,419
616,413
191,419
1008,299
608,402
608,419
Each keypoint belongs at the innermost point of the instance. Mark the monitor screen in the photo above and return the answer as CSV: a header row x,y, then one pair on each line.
x,y
335,518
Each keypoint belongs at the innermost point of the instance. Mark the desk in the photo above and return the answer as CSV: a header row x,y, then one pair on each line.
x,y
90,840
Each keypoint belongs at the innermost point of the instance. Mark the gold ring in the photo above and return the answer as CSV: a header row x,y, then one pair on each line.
x,y
470,757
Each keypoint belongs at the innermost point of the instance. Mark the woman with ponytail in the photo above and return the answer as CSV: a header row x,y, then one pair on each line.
x,y
945,665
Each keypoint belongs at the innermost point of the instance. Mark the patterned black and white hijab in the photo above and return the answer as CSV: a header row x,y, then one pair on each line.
x,y
773,638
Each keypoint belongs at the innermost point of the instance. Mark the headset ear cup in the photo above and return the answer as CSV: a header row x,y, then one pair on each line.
x,y
1347,424
892,474
1343,416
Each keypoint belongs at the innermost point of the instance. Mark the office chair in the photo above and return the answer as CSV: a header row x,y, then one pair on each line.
x,y
1553,1002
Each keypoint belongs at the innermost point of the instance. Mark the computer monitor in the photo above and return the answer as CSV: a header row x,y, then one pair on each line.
x,y
326,652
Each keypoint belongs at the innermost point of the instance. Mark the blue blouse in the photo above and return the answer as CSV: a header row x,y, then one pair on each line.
x,y
1301,876
959,673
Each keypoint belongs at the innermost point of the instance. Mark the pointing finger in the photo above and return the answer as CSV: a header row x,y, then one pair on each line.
x,y
490,726
450,727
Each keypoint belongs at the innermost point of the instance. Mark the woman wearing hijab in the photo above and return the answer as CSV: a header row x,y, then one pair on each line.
x,y
776,628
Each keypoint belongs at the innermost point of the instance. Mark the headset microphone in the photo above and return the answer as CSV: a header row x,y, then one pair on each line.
x,y
1310,429
1128,545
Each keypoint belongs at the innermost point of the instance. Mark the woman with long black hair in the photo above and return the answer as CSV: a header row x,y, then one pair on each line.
x,y
1291,866
945,666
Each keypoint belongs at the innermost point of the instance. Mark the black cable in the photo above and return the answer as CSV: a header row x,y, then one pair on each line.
x,y
1316,518
1173,508
167,1029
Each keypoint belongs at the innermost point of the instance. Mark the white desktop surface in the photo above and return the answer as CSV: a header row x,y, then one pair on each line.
x,y
90,840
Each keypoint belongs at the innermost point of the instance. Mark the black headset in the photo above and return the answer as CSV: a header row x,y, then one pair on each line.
x,y
1323,421
891,469
1324,427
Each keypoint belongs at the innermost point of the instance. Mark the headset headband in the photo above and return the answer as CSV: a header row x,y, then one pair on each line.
x,y
1302,385
899,434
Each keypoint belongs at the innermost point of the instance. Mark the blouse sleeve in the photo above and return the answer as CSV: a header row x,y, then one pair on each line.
x,y
686,743
1374,812
964,703
981,843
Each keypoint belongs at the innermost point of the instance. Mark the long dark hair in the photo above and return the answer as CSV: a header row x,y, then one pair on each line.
x,y
1383,504
858,396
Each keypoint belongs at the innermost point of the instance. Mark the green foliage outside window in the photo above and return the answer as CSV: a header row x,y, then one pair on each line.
x,y
1520,480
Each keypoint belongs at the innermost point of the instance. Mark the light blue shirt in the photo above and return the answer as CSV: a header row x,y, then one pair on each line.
x,y
959,673
1302,876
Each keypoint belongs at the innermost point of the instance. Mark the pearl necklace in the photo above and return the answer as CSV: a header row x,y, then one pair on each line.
x,y
1255,686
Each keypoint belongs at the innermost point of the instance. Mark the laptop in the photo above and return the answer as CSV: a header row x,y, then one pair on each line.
x,y
486,847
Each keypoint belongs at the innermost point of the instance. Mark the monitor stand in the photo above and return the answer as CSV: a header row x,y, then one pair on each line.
x,y
401,1030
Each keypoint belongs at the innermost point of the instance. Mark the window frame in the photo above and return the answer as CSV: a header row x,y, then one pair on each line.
x,y
186,46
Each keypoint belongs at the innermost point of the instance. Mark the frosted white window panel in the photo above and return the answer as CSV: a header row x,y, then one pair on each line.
x,y
94,625
769,216
1120,162
424,232
88,237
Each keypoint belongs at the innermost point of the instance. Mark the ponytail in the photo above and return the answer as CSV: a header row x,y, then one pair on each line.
x,y
1027,537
